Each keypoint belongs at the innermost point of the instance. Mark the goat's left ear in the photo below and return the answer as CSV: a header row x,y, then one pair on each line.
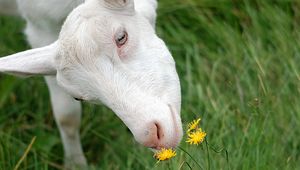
x,y
39,61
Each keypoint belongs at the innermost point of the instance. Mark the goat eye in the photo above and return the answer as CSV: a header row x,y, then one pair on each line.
x,y
121,38
78,99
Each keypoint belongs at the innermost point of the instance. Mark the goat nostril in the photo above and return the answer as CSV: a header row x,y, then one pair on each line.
x,y
154,136
159,132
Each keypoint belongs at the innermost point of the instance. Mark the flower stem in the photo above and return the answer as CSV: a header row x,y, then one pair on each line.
x,y
190,157
185,162
189,165
220,151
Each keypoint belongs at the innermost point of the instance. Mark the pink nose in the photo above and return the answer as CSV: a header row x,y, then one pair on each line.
x,y
156,138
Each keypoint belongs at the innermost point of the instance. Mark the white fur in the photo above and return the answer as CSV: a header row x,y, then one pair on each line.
x,y
138,81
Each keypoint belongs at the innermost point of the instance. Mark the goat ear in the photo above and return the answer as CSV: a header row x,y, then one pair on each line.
x,y
126,6
39,61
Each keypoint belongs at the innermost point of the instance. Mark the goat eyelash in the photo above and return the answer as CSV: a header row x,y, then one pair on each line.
x,y
78,99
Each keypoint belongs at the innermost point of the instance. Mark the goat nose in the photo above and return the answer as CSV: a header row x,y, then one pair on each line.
x,y
157,139
154,136
162,134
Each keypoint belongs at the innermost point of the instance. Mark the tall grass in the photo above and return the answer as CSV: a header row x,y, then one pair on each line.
x,y
239,64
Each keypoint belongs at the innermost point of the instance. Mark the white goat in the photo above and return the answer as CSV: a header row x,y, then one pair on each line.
x,y
106,52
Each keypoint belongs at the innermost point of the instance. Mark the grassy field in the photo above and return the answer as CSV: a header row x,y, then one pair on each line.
x,y
239,64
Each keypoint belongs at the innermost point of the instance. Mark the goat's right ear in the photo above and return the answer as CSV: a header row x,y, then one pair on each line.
x,y
39,61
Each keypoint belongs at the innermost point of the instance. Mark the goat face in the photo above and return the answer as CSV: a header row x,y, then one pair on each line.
x,y
108,53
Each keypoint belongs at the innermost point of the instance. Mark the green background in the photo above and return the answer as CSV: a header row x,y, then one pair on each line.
x,y
239,65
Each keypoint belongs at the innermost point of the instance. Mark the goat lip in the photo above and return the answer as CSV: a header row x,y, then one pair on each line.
x,y
155,148
159,147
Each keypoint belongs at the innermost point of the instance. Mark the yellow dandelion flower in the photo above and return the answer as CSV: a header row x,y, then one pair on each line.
x,y
197,137
193,125
164,154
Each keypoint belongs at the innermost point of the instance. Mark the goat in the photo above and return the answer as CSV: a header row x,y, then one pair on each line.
x,y
101,51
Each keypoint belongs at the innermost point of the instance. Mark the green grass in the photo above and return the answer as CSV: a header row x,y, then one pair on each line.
x,y
239,64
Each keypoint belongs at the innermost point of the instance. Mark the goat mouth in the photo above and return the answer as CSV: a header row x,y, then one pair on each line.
x,y
155,149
